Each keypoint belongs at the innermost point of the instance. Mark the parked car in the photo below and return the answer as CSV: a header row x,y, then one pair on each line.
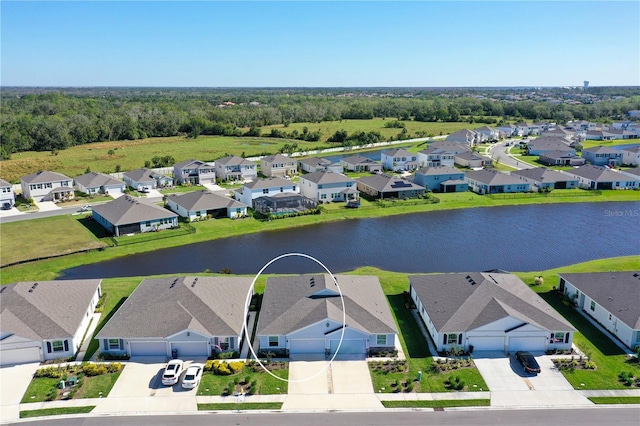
x,y
172,372
85,208
192,377
528,362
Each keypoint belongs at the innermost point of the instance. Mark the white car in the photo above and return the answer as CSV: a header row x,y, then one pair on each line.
x,y
172,372
192,377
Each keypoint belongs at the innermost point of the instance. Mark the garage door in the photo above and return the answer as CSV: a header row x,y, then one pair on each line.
x,y
527,344
487,343
349,346
148,348
306,346
191,349
20,356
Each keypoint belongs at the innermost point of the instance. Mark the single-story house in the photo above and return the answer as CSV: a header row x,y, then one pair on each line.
x,y
546,144
399,159
328,186
47,186
284,203
568,134
598,177
7,196
385,186
198,204
435,156
192,317
611,298
236,168
602,156
278,165
454,185
487,312
360,163
466,137
541,178
561,158
302,315
145,179
472,160
194,172
264,187
635,172
601,135
489,181
99,183
128,215
631,156
45,320
432,177
318,164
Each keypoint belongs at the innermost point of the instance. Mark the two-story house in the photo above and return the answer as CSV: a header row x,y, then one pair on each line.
x,y
278,166
236,168
264,187
7,196
194,172
399,159
435,156
47,186
328,186
602,156
433,177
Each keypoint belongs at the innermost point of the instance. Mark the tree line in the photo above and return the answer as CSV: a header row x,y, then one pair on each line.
x,y
48,119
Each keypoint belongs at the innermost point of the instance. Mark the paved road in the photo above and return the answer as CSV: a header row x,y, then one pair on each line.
x,y
619,416
497,152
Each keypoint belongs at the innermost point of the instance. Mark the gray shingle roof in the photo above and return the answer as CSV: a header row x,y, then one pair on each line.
x,y
617,292
398,152
451,146
541,174
494,177
470,156
204,200
290,303
550,143
602,150
271,182
233,160
4,183
600,174
386,183
439,170
359,159
44,176
126,209
183,164
435,150
326,177
140,175
52,309
315,161
277,158
95,179
555,155
214,306
463,302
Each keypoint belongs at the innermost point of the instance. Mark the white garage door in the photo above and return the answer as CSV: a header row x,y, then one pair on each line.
x,y
20,356
485,343
349,346
191,349
148,348
527,343
306,346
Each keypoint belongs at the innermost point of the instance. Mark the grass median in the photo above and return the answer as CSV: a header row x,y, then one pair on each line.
x,y
56,411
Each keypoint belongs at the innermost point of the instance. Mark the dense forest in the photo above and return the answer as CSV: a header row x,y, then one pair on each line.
x,y
43,119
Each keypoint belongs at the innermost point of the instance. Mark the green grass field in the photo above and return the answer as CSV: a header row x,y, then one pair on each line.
x,y
226,406
438,403
56,411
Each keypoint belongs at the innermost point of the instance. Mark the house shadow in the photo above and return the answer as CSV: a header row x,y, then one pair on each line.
x,y
94,227
414,340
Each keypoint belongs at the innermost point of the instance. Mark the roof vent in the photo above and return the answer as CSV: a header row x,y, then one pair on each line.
x,y
195,281
636,275
173,284
312,282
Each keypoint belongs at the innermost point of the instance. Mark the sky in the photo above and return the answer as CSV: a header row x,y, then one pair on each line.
x,y
319,44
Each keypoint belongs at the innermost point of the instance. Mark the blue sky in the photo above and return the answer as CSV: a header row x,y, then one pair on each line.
x,y
326,43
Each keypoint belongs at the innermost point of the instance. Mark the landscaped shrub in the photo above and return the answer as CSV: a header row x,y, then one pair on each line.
x,y
51,372
114,367
236,366
222,369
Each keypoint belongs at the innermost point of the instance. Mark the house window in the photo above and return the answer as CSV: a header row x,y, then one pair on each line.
x,y
114,344
265,191
319,186
609,317
323,196
557,337
593,305
381,339
224,343
349,184
452,339
148,224
273,341
58,346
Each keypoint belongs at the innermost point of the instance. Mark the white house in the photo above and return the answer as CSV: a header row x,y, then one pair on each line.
x,y
47,186
631,156
399,159
7,196
597,177
144,179
328,186
45,320
264,187
611,298
487,312
99,183
200,204
235,168
435,156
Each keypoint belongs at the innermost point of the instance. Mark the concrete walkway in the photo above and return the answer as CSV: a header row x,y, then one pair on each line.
x,y
95,319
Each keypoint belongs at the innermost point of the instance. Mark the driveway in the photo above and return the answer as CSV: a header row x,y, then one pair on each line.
x,y
46,205
510,386
13,384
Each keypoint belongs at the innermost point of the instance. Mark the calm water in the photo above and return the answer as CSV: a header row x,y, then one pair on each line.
x,y
517,238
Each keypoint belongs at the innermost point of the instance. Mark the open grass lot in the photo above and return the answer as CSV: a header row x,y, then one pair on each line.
x,y
265,384
591,144
438,403
38,238
615,399
240,406
56,411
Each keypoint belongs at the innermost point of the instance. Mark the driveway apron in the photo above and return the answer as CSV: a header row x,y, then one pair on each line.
x,y
13,384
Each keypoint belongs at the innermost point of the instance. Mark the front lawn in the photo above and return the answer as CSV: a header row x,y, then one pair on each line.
x,y
438,403
615,399
240,406
252,380
56,411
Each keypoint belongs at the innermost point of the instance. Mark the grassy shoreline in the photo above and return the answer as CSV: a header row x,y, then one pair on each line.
x,y
217,229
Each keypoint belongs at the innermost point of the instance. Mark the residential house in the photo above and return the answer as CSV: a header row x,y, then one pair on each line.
x,y
360,163
328,186
432,177
45,320
610,298
47,186
99,183
490,181
144,179
399,159
487,312
561,158
466,137
194,172
236,168
509,130
282,204
600,135
200,204
318,164
384,186
304,315
128,215
602,156
568,134
7,196
543,179
435,156
598,177
489,134
472,160
264,187
454,147
189,317
635,172
546,144
278,166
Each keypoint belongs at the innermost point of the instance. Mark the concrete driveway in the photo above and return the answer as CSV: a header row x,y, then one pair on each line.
x,y
14,381
510,386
